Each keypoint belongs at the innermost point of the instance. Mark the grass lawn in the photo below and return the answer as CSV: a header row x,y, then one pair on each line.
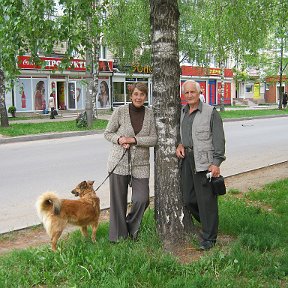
x,y
257,255
252,113
18,129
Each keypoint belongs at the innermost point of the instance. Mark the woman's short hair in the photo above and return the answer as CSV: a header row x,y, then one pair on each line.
x,y
140,86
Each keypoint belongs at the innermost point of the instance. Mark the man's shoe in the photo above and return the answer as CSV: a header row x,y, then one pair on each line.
x,y
206,245
134,236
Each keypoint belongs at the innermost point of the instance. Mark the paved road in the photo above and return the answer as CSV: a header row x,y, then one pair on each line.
x,y
32,167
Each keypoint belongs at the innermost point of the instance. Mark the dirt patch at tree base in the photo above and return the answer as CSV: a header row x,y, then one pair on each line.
x,y
244,182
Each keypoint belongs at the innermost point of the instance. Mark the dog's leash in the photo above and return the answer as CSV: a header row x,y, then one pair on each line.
x,y
109,174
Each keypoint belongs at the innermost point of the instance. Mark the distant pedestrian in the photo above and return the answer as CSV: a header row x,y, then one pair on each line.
x,y
202,97
284,100
51,104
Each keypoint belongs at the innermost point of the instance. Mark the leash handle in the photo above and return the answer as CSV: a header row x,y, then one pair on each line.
x,y
109,174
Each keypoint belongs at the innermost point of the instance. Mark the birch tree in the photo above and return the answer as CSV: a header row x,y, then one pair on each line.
x,y
173,224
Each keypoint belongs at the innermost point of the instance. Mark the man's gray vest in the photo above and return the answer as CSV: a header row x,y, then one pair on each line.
x,y
201,137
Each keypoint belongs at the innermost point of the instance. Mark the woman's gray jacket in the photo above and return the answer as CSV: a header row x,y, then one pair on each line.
x,y
120,125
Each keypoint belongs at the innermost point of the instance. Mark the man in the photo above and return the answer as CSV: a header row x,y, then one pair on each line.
x,y
202,97
202,149
284,100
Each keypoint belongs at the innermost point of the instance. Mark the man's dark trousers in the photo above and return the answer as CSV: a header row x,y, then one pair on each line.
x,y
199,198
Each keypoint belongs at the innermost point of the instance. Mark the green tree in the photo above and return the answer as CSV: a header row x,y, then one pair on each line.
x,y
35,26
25,27
276,53
227,30
80,27
127,31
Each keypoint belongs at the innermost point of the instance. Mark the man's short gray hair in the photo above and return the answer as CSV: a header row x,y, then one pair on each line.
x,y
197,85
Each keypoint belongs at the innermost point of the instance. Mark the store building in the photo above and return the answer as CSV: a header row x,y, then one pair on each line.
x,y
208,78
210,83
272,91
35,84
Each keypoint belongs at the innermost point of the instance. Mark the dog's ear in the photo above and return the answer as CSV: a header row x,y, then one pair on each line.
x,y
83,185
90,183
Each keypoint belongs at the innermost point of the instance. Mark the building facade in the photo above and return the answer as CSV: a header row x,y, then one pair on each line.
x,y
36,83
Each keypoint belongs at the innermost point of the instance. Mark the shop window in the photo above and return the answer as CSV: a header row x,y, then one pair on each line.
x,y
118,92
79,95
71,95
129,86
249,88
22,95
39,93
103,98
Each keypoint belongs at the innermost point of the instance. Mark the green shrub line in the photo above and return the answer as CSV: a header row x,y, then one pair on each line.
x,y
255,256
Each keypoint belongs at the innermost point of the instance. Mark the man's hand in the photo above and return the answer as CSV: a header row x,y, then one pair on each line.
x,y
215,170
180,151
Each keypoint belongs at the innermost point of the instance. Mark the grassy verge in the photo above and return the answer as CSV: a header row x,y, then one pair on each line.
x,y
18,129
257,256
252,113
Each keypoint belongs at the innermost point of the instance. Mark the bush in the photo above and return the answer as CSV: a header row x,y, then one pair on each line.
x,y
81,120
12,110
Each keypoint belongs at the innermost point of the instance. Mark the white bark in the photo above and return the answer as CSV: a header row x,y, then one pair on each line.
x,y
171,222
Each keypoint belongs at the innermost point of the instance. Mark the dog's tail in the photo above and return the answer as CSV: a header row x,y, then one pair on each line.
x,y
48,202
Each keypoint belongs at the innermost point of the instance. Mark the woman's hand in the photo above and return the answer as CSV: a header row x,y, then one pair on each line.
x,y
126,142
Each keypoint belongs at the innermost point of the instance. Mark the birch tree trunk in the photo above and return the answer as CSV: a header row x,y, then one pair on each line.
x,y
92,63
3,111
173,223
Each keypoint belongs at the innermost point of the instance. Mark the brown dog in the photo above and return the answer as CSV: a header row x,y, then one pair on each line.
x,y
56,213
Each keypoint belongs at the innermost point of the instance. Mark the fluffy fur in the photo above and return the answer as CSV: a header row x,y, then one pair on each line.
x,y
56,213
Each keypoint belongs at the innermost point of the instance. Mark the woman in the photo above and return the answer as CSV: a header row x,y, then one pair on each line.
x,y
52,106
132,131
103,97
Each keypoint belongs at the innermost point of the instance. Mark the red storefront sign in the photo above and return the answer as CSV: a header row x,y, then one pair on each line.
x,y
50,63
203,71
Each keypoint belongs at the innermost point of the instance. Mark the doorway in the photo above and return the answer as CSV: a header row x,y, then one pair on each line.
x,y
61,95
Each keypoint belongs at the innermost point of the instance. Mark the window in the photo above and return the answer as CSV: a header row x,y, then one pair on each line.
x,y
249,88
118,92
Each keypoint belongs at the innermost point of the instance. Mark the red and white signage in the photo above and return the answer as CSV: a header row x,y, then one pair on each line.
x,y
50,63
